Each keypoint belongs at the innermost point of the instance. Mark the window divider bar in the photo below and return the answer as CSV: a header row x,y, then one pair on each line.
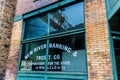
x,y
47,53
82,30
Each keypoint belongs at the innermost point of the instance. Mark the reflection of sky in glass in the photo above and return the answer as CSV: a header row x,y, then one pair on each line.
x,y
75,14
36,27
52,29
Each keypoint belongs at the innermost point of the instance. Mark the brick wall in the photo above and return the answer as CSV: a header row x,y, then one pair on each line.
x,y
98,49
6,21
1,11
21,7
12,63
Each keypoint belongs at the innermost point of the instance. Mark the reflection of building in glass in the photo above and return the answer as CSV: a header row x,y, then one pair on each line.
x,y
59,20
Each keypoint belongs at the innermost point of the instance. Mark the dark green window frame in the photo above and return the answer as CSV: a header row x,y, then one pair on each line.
x,y
51,36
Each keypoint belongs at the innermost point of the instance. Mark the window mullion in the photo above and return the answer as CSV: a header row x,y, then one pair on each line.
x,y
47,47
49,23
23,30
47,52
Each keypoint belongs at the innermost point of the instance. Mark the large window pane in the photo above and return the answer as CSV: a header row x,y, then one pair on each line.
x,y
34,56
62,54
67,54
68,18
36,27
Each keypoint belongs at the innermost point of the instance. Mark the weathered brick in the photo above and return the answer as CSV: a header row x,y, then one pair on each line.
x,y
97,41
21,7
14,51
98,49
6,21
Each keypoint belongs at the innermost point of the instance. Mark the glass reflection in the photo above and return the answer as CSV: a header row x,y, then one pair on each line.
x,y
36,26
68,18
67,54
34,56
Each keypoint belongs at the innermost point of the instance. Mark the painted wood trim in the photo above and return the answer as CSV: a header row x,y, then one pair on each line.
x,y
41,10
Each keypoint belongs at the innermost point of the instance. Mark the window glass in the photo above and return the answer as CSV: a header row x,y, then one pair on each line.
x,y
68,18
34,56
112,1
67,54
64,19
36,27
62,53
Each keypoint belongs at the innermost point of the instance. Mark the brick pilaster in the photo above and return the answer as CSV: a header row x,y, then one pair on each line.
x,y
7,8
12,62
98,49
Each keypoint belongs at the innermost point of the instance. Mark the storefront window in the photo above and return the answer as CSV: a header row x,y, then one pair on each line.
x,y
115,45
67,54
43,49
33,56
36,26
66,19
